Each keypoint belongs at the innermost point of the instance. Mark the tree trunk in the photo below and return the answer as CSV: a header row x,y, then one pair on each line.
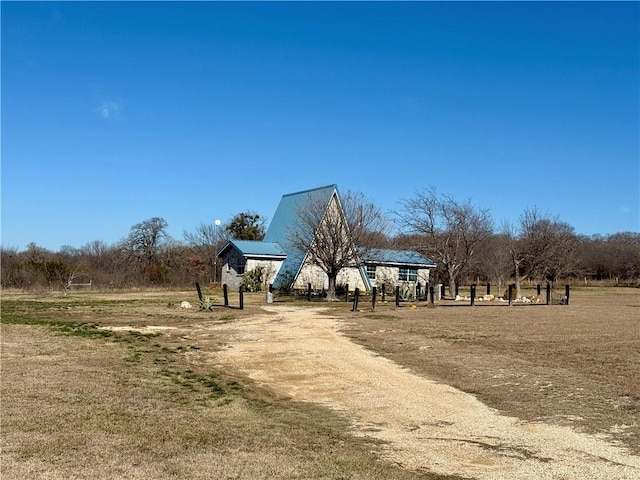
x,y
331,293
516,274
452,282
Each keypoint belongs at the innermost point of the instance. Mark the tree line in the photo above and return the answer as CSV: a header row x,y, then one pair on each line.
x,y
461,238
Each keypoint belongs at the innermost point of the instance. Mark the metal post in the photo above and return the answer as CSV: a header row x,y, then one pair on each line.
x,y
356,295
566,294
241,292
548,293
473,294
199,292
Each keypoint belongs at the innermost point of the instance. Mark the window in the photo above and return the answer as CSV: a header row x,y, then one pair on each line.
x,y
371,272
408,274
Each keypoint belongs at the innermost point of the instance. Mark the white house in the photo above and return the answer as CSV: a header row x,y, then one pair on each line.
x,y
285,266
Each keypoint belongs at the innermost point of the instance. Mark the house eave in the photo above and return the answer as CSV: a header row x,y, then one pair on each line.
x,y
264,257
400,264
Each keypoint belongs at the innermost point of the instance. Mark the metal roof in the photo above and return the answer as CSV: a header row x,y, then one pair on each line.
x,y
396,257
284,219
255,248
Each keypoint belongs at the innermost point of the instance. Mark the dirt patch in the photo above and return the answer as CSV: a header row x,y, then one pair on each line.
x,y
428,426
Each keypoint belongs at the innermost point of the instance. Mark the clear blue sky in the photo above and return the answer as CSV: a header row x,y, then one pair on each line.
x,y
116,112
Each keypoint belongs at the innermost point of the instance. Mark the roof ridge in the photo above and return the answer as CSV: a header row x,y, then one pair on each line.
x,y
331,185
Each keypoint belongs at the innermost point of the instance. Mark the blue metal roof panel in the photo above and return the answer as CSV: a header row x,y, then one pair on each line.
x,y
286,215
285,219
404,257
254,247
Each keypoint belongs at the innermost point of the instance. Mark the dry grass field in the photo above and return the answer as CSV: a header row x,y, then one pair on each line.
x,y
576,365
84,395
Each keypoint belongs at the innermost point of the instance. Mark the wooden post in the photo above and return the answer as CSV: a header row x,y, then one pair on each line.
x,y
346,292
510,293
383,291
241,292
432,292
426,292
398,296
418,290
548,293
473,294
457,286
442,290
225,293
199,292
566,294
309,291
374,292
356,295
488,288
538,290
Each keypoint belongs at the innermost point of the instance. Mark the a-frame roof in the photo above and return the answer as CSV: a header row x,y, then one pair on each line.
x,y
285,218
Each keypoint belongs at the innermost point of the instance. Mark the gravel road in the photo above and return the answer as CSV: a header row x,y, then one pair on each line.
x,y
426,426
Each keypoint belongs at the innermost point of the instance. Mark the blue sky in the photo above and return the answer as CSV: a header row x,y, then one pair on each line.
x,y
116,112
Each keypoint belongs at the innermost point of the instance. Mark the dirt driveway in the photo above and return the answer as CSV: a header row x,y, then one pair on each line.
x,y
424,425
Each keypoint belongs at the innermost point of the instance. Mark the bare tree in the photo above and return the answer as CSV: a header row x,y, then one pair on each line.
x,y
334,232
206,241
540,247
549,244
143,246
450,232
496,261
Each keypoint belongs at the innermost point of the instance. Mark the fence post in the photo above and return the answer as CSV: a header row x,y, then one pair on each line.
x,y
426,292
418,290
346,292
442,290
548,293
510,293
432,293
356,295
457,291
566,294
199,292
383,292
473,294
373,298
309,291
538,290
241,292
225,293
488,288
398,296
